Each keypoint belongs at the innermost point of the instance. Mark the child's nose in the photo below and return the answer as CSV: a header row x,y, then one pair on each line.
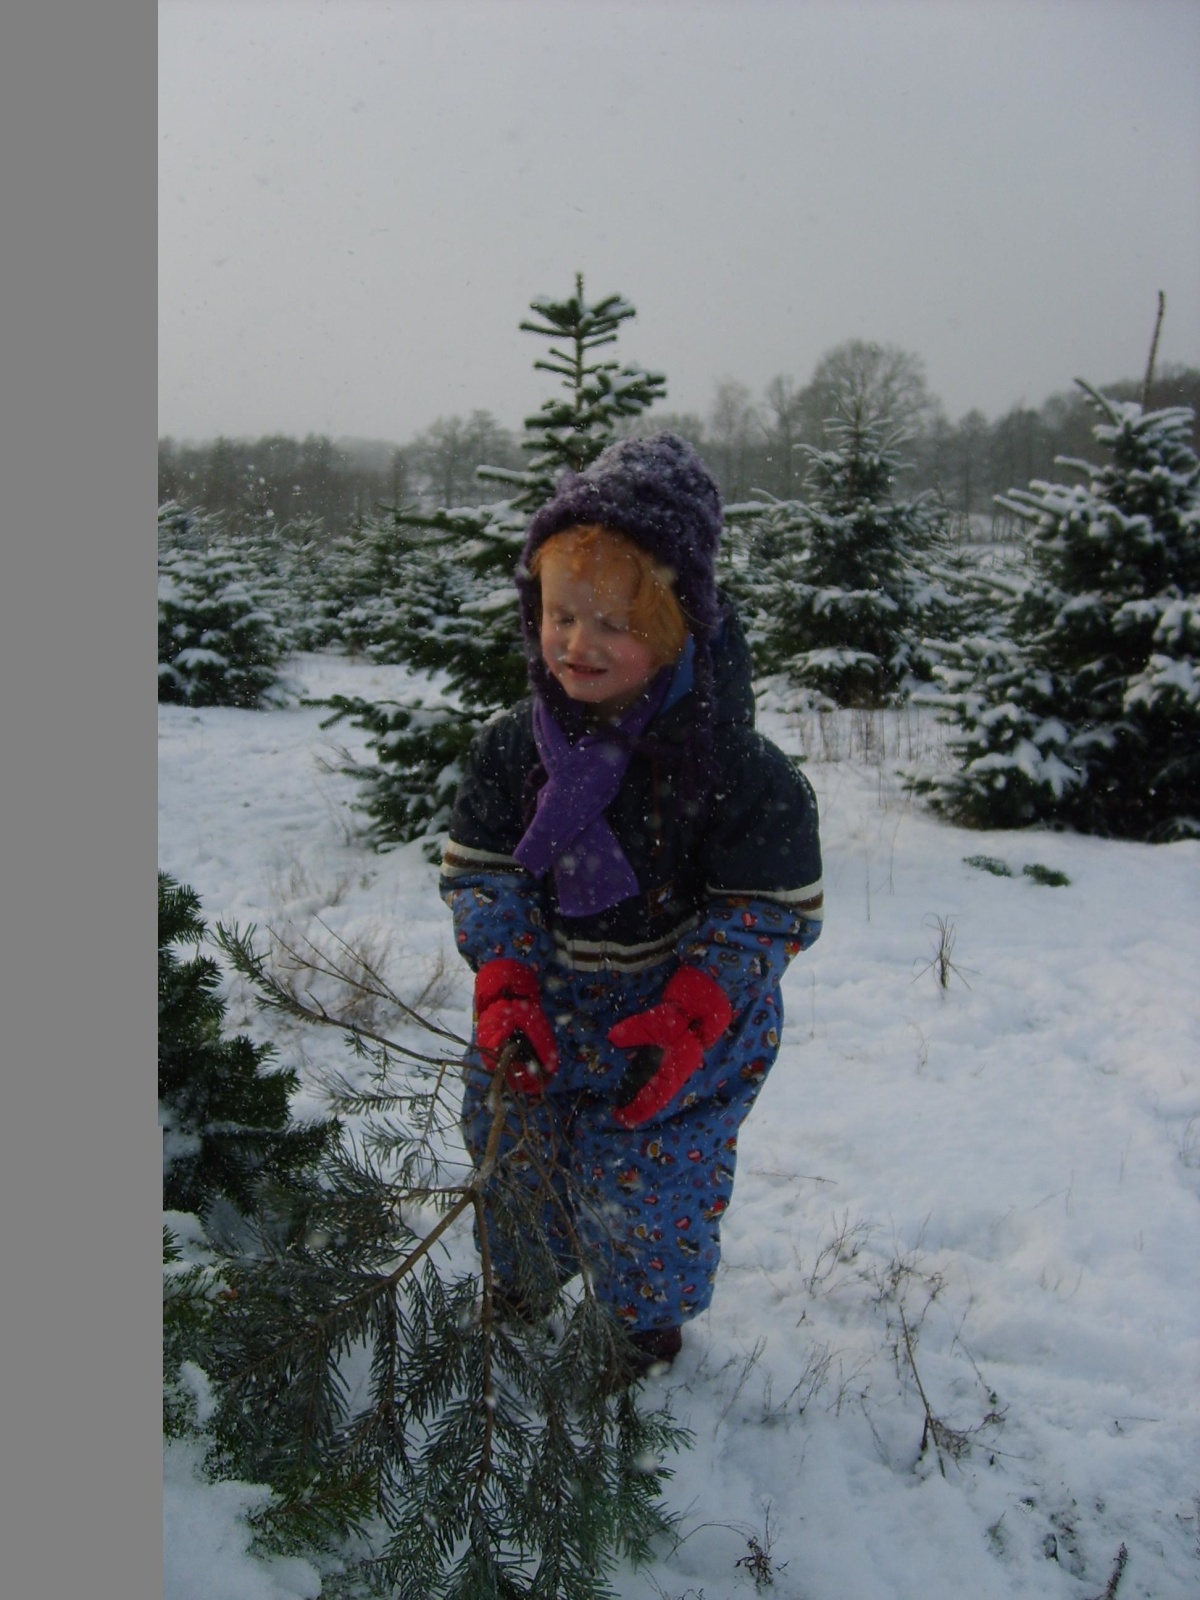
x,y
580,638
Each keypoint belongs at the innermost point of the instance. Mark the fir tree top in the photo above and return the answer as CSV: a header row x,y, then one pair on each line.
x,y
572,430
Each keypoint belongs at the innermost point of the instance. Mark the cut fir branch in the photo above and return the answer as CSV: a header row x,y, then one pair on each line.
x,y
409,1146
258,967
328,1328
383,1394
481,1449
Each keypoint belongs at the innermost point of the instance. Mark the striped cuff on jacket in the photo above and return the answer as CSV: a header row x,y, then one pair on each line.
x,y
605,955
808,902
458,860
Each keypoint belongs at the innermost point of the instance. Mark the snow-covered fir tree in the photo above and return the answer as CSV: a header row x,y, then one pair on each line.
x,y
849,591
223,1106
1085,711
398,588
458,618
219,643
185,527
292,560
758,535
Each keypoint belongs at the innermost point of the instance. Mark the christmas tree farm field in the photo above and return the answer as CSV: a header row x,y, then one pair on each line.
x,y
954,1343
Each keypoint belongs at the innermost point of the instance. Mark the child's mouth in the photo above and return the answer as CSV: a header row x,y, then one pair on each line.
x,y
584,672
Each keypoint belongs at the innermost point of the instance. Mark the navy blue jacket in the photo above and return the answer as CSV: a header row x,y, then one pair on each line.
x,y
732,885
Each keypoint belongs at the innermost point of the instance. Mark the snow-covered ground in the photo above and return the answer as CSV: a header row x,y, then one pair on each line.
x,y
978,1201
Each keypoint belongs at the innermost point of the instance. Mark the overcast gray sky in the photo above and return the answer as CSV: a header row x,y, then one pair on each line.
x,y
358,199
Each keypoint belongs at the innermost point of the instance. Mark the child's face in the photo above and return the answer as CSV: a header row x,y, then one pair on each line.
x,y
585,638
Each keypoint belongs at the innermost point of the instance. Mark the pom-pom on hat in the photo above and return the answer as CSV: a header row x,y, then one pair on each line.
x,y
660,494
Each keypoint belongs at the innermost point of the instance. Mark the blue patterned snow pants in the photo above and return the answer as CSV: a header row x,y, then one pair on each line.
x,y
638,1209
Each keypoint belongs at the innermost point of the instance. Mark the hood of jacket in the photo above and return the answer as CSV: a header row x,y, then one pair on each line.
x,y
733,683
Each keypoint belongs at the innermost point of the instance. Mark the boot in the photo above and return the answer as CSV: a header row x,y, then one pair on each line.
x,y
650,1351
655,1347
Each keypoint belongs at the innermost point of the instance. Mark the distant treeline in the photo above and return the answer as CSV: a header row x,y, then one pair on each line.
x,y
338,486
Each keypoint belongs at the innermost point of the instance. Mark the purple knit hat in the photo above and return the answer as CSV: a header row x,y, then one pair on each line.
x,y
659,493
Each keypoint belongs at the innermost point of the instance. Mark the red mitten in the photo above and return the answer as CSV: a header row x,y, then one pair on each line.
x,y
507,1005
689,1019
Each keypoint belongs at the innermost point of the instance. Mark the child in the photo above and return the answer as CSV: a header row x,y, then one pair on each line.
x,y
631,866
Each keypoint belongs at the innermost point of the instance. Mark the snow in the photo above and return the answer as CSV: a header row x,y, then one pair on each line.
x,y
205,1540
1002,1171
199,656
502,598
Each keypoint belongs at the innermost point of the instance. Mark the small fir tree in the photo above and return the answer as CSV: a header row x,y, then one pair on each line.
x,y
850,590
1089,715
218,640
222,1106
342,586
462,623
290,565
290,560
188,1288
184,527
230,1151
758,542
398,585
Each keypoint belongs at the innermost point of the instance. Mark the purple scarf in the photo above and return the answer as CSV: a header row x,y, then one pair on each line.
x,y
569,831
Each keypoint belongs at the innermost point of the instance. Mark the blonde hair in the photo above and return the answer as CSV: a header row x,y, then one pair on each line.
x,y
655,614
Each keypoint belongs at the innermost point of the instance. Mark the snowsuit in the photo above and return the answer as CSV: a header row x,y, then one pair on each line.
x,y
732,887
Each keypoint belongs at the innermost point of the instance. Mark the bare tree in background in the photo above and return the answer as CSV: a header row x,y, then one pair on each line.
x,y
445,456
879,385
733,425
785,434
